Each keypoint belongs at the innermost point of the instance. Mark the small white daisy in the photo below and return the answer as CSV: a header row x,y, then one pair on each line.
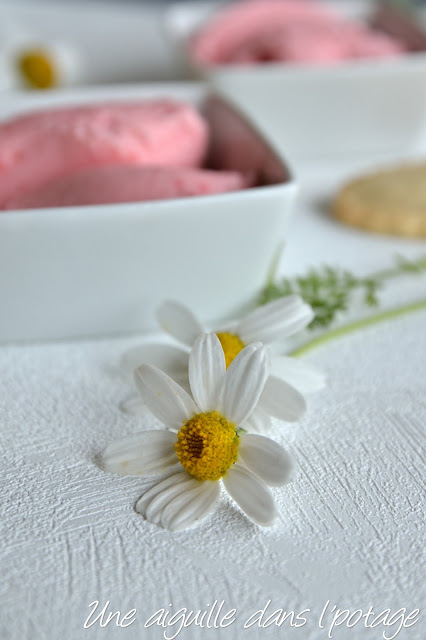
x,y
270,324
206,445
33,61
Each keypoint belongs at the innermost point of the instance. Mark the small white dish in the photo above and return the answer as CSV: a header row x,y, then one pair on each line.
x,y
98,270
360,106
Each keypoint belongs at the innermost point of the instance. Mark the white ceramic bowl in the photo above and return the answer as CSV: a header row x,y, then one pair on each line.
x,y
313,112
96,270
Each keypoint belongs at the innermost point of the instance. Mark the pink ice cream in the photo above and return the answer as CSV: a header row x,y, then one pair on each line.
x,y
316,44
121,183
257,31
38,147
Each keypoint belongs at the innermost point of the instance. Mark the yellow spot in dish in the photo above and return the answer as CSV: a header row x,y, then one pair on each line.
x,y
37,68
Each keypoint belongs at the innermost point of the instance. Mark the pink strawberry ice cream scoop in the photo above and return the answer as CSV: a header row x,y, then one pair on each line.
x,y
257,31
316,43
114,184
38,147
240,23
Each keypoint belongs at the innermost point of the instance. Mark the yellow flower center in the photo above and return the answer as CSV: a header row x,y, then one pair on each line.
x,y
231,345
37,68
207,446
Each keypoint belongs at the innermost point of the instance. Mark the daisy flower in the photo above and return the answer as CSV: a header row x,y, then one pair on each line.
x,y
271,323
31,61
206,445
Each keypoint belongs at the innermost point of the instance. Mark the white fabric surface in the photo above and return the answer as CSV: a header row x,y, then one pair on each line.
x,y
351,528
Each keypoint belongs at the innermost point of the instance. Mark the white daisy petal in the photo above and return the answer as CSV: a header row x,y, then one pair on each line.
x,y
163,396
151,504
179,321
134,406
267,459
257,422
281,400
276,320
251,495
155,509
243,383
300,374
207,369
174,479
141,454
191,506
170,359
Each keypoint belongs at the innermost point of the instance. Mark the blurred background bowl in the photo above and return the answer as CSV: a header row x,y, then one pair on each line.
x,y
313,112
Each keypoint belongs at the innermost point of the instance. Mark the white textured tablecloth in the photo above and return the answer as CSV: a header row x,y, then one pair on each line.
x,y
352,530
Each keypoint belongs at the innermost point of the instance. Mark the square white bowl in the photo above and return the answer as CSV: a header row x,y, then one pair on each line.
x,y
99,270
311,112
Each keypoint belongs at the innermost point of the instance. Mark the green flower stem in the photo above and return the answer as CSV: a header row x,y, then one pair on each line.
x,y
359,324
404,268
330,290
275,262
